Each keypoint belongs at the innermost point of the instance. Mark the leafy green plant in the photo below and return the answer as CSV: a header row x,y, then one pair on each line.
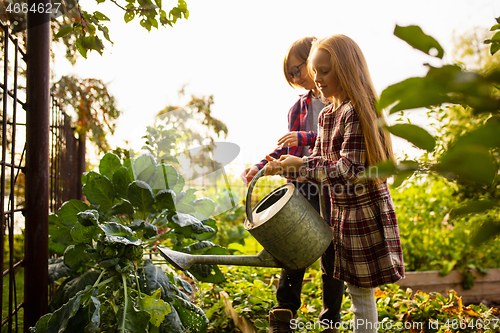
x,y
252,292
433,241
251,297
471,157
110,284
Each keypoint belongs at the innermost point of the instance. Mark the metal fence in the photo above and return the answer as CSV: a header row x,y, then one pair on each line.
x,y
67,161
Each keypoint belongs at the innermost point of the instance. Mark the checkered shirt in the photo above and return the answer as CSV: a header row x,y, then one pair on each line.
x,y
296,123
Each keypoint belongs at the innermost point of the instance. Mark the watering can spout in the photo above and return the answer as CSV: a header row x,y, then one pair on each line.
x,y
184,261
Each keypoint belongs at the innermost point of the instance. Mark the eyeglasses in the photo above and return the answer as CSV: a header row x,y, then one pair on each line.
x,y
295,71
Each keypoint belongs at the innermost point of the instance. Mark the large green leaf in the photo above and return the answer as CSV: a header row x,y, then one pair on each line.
x,y
184,201
58,269
83,234
149,230
472,163
191,315
414,36
188,224
121,181
447,84
384,169
70,287
135,321
165,177
488,230
100,192
405,170
116,229
155,306
69,210
58,320
165,199
141,196
75,256
412,93
204,207
153,278
179,185
414,134
144,167
207,273
212,223
476,206
109,164
59,235
199,247
172,323
487,135
88,218
95,319
123,208
88,176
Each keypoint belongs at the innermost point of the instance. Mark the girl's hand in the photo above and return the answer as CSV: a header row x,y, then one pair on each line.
x,y
286,163
290,139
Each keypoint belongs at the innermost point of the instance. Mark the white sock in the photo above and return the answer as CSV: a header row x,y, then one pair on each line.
x,y
364,308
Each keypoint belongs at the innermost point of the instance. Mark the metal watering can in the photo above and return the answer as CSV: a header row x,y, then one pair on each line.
x,y
291,231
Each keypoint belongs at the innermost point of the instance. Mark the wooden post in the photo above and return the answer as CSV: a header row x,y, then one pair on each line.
x,y
36,252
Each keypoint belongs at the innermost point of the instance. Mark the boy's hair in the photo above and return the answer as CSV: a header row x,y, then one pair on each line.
x,y
351,69
301,49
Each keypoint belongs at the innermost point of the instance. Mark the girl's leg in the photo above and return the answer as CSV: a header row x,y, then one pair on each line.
x,y
364,308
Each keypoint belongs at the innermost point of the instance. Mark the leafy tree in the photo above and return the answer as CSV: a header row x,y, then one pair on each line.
x,y
81,31
94,106
189,131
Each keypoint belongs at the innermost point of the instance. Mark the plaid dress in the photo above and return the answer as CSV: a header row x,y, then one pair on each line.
x,y
366,235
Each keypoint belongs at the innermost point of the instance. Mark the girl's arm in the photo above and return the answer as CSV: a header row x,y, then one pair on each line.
x,y
352,155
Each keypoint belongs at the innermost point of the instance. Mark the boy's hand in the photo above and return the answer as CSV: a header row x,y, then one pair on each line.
x,y
290,139
248,174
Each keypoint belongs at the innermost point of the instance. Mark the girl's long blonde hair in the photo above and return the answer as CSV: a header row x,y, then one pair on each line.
x,y
351,69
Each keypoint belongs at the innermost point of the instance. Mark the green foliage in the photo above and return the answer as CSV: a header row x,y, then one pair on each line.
x,y
466,147
414,36
495,40
110,285
252,293
89,30
430,312
251,297
430,238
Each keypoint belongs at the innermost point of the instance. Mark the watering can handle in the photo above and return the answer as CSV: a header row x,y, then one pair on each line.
x,y
252,185
249,194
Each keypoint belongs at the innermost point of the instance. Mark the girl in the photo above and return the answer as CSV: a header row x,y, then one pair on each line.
x,y
302,125
366,236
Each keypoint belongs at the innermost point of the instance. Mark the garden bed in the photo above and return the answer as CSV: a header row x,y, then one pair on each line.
x,y
486,287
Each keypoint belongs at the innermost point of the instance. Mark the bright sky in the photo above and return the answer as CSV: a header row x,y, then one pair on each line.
x,y
234,50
